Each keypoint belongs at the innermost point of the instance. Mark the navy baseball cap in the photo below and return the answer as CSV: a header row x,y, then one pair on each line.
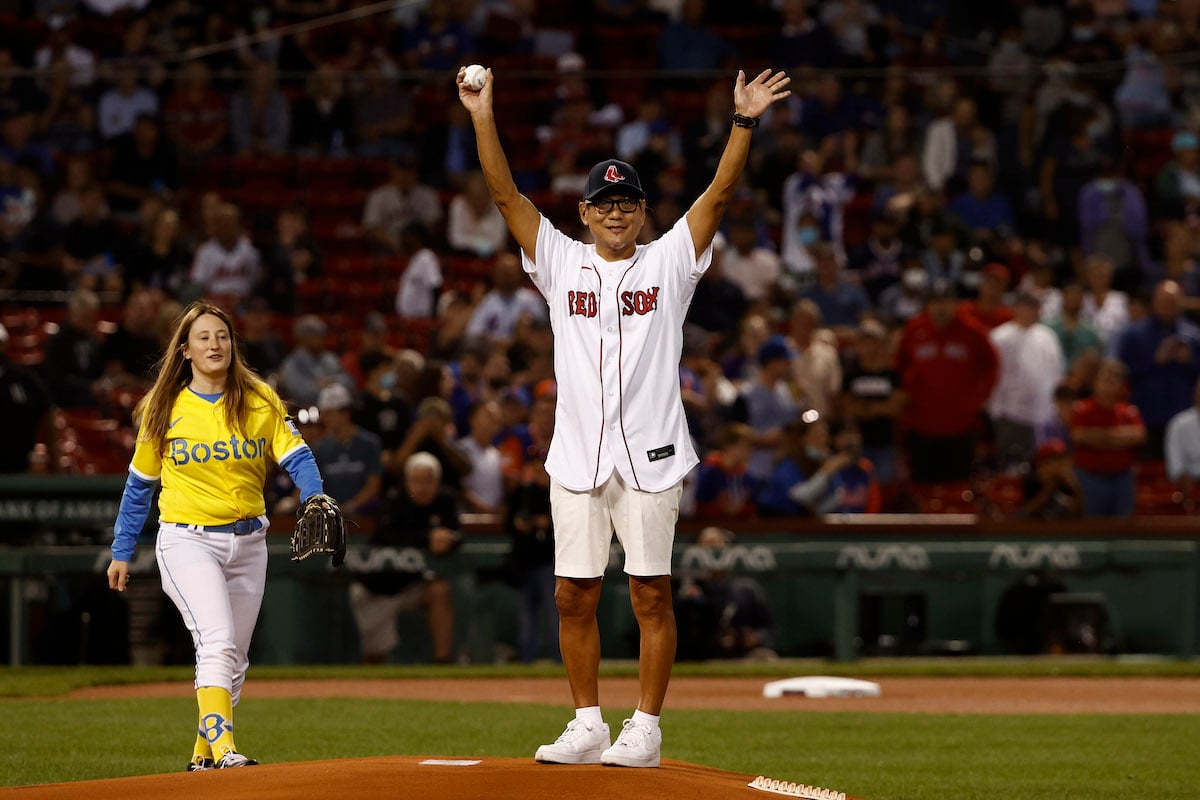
x,y
616,175
772,349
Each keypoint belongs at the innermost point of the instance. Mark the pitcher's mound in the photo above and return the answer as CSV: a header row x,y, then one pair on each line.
x,y
405,776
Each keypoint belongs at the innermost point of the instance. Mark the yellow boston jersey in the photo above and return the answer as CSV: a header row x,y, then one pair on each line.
x,y
210,474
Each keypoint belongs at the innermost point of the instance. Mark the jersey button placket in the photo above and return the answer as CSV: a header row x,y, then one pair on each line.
x,y
611,365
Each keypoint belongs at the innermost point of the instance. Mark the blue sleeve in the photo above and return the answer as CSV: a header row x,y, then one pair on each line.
x,y
131,516
302,467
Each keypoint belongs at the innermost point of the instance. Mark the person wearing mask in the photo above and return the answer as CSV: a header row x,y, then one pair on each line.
x,y
383,407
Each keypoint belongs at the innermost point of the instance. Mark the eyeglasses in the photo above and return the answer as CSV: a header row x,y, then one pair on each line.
x,y
628,205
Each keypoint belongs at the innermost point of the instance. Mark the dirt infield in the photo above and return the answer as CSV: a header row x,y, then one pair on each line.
x,y
406,777
920,695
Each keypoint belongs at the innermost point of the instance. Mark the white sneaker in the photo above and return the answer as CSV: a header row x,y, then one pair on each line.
x,y
636,746
232,759
581,743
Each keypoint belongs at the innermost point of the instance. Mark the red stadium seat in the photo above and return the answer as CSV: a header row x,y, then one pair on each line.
x,y
352,266
956,497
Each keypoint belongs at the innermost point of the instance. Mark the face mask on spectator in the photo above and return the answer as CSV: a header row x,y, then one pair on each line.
x,y
914,280
809,235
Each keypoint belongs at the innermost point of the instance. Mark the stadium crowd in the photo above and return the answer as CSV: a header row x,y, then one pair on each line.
x,y
959,275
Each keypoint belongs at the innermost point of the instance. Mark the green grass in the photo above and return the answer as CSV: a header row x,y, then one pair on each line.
x,y
880,756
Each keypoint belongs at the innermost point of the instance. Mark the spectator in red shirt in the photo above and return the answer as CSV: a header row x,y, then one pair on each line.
x,y
947,368
196,115
989,310
1107,433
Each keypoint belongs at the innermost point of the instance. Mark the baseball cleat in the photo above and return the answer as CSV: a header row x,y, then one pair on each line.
x,y
232,759
636,746
581,743
199,764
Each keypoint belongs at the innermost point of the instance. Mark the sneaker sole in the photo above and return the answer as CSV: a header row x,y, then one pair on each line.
x,y
544,756
625,761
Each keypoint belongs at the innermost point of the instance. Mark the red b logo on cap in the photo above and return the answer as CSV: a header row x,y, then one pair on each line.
x,y
611,175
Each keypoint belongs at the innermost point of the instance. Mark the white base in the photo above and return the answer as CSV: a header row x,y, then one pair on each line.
x,y
821,686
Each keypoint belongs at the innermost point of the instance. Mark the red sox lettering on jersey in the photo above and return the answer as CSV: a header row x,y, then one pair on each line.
x,y
587,304
618,339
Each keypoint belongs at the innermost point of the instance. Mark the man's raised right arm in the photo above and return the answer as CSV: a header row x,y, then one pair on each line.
x,y
522,216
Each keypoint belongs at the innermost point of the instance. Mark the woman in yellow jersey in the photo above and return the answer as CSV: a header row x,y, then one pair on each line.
x,y
208,429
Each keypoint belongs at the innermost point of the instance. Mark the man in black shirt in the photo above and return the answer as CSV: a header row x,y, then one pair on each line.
x,y
872,398
143,164
383,409
418,519
25,407
131,351
74,363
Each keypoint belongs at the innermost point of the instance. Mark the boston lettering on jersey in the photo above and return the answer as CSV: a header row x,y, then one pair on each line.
x,y
201,452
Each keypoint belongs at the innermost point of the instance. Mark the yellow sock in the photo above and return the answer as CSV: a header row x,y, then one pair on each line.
x,y
201,750
216,719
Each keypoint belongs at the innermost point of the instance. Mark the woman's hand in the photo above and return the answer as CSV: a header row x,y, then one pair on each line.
x,y
118,575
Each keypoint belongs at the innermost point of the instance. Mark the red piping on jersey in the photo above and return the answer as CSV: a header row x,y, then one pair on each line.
x,y
600,372
620,367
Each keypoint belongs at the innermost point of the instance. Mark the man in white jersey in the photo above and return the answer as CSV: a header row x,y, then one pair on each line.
x,y
620,447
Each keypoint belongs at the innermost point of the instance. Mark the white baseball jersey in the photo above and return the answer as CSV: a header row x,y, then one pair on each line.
x,y
618,338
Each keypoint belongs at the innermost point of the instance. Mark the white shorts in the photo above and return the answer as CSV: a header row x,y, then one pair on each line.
x,y
584,523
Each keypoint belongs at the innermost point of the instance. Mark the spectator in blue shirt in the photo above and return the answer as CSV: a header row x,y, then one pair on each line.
x,y
842,303
820,473
689,44
349,456
827,111
1162,353
984,210
802,40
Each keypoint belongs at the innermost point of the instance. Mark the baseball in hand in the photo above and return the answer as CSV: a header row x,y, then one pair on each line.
x,y
475,77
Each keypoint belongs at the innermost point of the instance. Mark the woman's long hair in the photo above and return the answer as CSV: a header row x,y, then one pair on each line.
x,y
175,373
